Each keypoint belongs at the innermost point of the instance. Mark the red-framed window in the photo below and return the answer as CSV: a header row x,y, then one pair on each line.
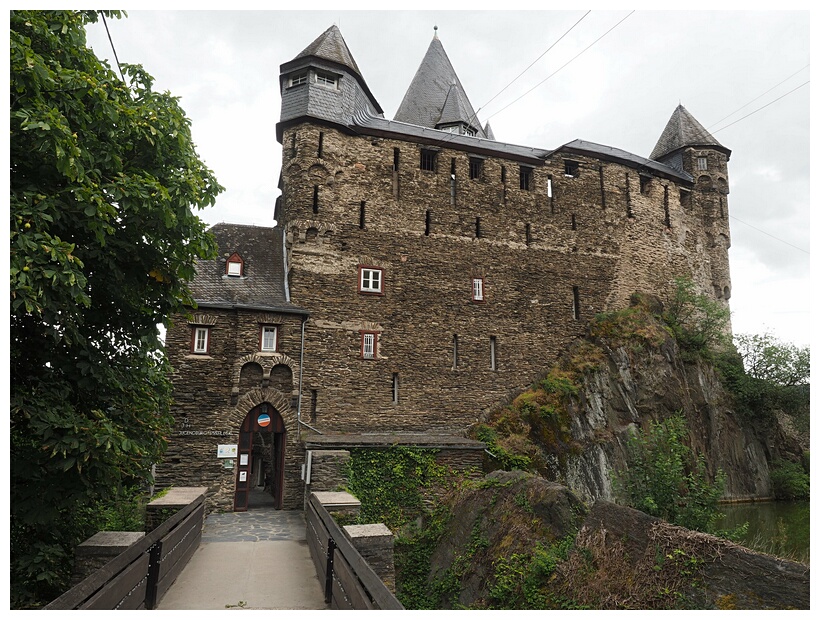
x,y
478,290
235,266
371,280
268,338
200,340
370,345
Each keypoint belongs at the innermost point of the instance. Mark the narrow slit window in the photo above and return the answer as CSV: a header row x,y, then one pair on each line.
x,y
427,223
478,228
316,199
321,144
428,160
526,178
455,351
503,174
395,388
574,223
527,234
645,184
314,400
361,214
475,168
576,303
549,187
396,159
493,354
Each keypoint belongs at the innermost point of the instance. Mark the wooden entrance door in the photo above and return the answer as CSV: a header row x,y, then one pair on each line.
x,y
261,419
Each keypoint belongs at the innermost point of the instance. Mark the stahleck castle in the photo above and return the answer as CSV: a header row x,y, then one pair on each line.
x,y
419,272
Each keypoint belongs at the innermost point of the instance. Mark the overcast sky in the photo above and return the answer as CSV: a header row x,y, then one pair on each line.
x,y
620,92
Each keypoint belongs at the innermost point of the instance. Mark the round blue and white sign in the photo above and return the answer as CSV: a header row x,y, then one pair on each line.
x,y
263,419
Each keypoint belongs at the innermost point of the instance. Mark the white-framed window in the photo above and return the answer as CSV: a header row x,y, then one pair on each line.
x,y
370,280
328,79
200,339
268,338
370,342
702,163
299,78
478,289
235,266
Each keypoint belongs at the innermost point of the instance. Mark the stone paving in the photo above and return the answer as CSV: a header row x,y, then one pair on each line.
x,y
257,524
257,559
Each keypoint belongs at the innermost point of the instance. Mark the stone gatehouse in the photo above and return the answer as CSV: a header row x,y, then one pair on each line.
x,y
420,271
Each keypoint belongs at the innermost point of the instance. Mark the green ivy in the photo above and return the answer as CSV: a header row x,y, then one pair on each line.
x,y
520,580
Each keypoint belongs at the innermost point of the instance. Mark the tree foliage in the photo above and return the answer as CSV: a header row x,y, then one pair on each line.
x,y
767,375
699,322
663,477
767,358
103,179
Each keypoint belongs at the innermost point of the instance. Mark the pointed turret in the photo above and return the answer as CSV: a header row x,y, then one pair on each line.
x,y
682,131
330,45
324,83
436,97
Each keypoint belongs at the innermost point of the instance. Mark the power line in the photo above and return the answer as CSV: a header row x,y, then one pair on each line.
x,y
117,60
761,107
562,66
474,116
557,41
758,97
769,235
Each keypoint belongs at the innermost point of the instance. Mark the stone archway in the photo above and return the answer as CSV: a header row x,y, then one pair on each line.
x,y
262,421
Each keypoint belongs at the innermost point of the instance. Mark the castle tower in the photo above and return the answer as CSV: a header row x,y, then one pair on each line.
x,y
437,99
687,146
324,83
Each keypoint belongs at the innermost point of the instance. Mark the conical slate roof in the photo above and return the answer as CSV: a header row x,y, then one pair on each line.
x,y
681,131
330,45
436,96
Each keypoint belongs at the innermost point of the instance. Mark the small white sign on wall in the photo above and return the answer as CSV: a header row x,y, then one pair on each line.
x,y
243,476
243,460
226,451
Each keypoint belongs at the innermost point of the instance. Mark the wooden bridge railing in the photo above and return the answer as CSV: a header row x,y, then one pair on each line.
x,y
350,582
139,576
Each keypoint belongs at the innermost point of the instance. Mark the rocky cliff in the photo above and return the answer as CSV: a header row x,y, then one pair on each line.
x,y
517,541
628,372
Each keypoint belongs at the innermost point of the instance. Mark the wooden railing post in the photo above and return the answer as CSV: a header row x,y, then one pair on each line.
x,y
154,553
331,547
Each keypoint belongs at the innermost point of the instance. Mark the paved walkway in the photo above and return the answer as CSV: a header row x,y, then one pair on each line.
x,y
257,559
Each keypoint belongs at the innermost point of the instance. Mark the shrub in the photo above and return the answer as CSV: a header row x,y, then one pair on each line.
x,y
664,479
789,480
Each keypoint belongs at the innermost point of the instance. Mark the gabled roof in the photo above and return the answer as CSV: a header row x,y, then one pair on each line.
x,y
330,45
682,131
584,147
436,95
262,285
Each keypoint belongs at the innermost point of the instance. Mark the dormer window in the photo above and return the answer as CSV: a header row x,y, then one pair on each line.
x,y
235,266
327,79
298,78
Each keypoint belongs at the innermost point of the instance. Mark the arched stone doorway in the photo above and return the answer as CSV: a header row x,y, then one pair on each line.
x,y
260,457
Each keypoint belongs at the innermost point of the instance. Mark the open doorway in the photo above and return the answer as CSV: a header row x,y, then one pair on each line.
x,y
261,459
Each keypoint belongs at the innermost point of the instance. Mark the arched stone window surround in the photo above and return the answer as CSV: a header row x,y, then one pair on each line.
x,y
267,362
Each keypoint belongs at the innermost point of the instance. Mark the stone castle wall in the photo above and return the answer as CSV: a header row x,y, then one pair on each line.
x,y
214,392
551,257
